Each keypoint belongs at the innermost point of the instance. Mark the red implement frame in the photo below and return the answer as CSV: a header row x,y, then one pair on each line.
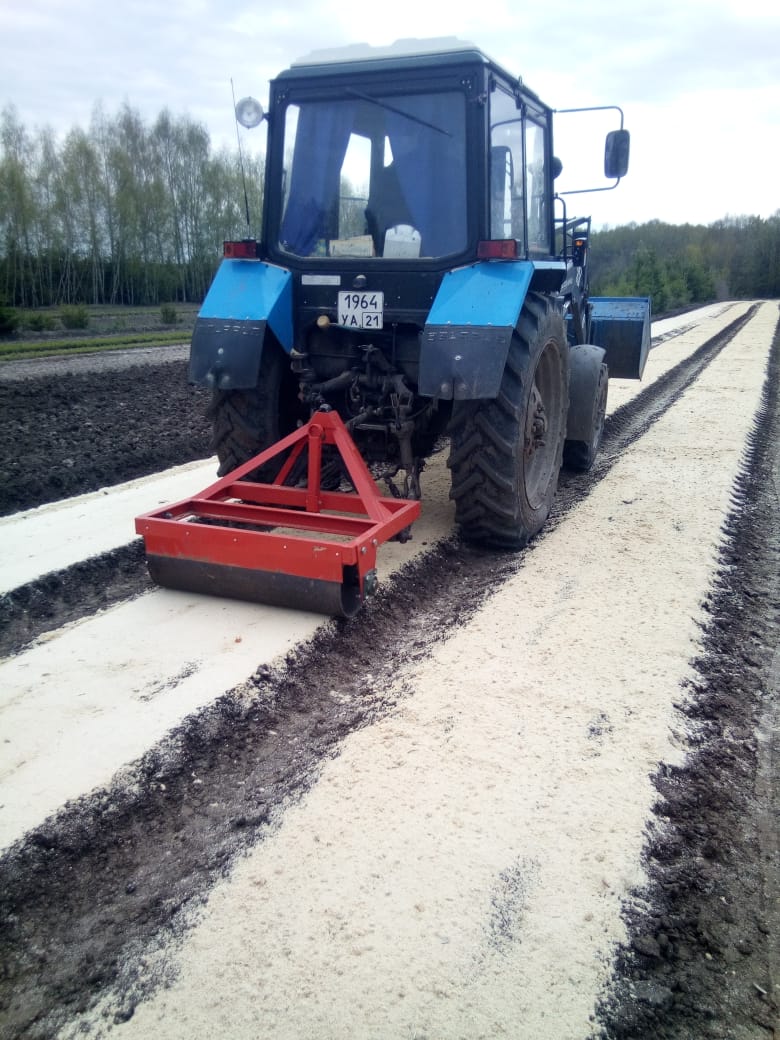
x,y
227,541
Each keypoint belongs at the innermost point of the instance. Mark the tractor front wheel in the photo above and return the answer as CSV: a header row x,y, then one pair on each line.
x,y
505,453
580,455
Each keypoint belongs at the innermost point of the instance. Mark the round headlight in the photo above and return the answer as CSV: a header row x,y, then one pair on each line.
x,y
249,112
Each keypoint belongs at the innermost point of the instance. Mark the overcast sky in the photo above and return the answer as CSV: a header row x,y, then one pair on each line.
x,y
699,80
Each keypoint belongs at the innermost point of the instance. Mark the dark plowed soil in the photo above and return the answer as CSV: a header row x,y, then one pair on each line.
x,y
82,896
704,957
79,432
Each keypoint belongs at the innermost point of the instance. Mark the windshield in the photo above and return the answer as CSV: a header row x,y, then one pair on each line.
x,y
375,176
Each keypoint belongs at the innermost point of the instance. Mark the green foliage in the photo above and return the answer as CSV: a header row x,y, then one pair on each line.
x,y
9,320
121,213
74,316
37,321
685,265
168,314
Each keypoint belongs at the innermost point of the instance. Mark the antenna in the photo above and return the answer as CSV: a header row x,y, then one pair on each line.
x,y
241,161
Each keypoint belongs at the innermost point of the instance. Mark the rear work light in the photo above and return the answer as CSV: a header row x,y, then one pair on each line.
x,y
578,248
246,249
497,249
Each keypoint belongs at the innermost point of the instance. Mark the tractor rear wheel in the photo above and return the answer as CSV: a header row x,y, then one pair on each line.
x,y
247,421
506,452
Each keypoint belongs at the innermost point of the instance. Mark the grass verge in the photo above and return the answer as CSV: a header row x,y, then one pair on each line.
x,y
15,350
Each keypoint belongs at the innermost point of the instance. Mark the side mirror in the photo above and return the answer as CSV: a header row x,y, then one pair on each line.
x,y
616,148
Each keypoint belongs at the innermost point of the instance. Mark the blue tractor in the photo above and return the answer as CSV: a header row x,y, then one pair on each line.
x,y
418,275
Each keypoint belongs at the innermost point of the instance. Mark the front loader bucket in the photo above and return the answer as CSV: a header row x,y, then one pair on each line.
x,y
293,546
621,325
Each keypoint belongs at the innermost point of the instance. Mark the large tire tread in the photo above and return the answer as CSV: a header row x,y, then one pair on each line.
x,y
245,422
490,475
580,456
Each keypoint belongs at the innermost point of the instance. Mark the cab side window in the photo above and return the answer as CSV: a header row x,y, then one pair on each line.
x,y
506,168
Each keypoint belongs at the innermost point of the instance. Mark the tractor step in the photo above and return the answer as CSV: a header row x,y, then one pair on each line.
x,y
295,546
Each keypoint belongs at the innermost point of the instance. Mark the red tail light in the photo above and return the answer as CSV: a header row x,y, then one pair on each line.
x,y
246,249
497,249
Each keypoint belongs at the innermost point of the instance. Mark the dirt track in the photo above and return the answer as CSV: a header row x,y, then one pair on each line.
x,y
86,897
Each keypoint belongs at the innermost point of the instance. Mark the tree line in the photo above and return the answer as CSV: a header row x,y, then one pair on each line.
x,y
121,213
131,213
682,264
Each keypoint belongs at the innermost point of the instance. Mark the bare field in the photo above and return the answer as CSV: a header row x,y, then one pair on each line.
x,y
526,796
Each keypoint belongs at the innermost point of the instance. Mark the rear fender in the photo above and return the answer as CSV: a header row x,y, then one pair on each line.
x,y
245,298
466,339
621,325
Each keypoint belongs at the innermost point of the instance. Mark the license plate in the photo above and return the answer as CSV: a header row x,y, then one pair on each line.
x,y
361,310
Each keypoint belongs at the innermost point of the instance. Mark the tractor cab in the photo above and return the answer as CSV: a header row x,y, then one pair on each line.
x,y
407,159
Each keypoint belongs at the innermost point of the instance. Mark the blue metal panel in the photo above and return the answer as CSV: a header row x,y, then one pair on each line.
x,y
486,293
250,290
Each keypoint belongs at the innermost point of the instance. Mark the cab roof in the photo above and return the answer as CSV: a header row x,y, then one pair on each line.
x,y
405,54
406,48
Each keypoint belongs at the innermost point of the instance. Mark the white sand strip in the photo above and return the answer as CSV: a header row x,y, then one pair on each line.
x,y
60,534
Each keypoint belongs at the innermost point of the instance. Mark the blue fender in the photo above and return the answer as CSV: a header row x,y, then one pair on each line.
x,y
245,298
466,339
